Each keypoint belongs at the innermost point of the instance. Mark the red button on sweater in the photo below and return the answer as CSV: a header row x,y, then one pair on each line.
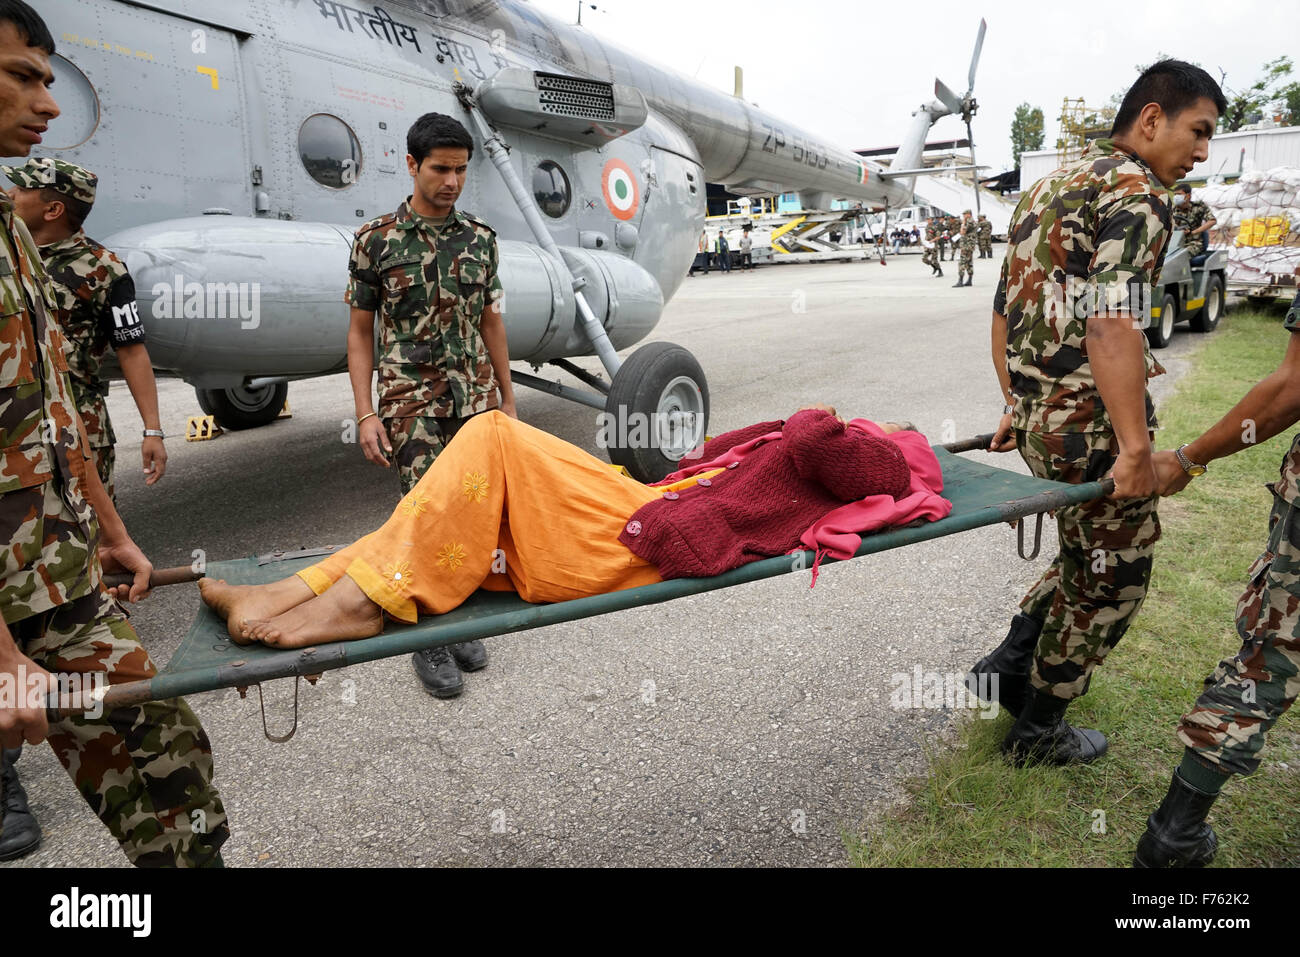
x,y
762,507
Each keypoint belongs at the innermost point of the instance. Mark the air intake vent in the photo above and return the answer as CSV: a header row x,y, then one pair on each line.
x,y
573,96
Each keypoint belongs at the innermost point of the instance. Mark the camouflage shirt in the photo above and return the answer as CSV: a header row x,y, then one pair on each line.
x,y
984,230
965,234
1190,216
1088,237
49,529
95,299
1288,483
429,285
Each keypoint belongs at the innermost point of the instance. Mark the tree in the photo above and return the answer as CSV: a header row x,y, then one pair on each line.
x,y
1267,95
1026,130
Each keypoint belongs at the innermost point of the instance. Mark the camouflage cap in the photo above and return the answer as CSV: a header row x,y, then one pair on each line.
x,y
55,174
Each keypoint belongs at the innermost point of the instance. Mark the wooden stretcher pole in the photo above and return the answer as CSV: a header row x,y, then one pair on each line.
x,y
160,577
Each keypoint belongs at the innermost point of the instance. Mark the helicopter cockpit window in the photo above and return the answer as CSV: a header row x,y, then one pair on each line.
x,y
551,188
78,106
330,151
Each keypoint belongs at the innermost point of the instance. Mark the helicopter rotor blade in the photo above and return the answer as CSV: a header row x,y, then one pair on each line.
x,y
975,59
946,97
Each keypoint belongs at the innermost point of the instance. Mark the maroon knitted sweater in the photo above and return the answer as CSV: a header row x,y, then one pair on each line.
x,y
764,503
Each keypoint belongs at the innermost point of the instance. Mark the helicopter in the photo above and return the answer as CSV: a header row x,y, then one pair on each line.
x,y
240,145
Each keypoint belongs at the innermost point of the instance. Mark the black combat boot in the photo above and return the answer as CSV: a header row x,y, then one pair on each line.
x,y
940,271
1040,734
970,280
958,284
438,671
1009,663
470,655
19,832
1177,835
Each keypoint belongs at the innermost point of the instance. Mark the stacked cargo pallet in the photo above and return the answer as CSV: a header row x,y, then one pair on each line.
x,y
1259,222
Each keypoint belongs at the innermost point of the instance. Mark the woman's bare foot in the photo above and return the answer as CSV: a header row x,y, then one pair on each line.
x,y
342,613
238,603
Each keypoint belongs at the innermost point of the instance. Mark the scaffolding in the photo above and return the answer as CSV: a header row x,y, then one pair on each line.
x,y
1080,125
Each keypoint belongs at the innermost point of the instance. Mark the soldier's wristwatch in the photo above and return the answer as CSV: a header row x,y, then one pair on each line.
x,y
1190,467
154,434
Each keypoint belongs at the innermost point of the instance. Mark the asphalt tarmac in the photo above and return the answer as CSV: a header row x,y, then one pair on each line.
x,y
750,726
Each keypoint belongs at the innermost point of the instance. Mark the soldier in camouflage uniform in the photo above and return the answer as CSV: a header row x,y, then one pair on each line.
x,y
965,239
430,273
941,236
984,234
931,255
96,307
146,770
1194,218
1083,256
1224,732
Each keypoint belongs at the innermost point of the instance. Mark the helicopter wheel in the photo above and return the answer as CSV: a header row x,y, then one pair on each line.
x,y
241,408
657,411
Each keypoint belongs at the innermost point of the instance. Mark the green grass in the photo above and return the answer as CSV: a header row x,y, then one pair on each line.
x,y
974,809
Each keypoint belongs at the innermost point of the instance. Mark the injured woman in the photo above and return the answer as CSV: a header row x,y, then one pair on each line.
x,y
507,507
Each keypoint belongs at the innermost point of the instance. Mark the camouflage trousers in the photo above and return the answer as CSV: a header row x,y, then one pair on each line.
x,y
942,246
1248,692
986,249
1094,587
145,770
927,256
966,264
105,459
416,442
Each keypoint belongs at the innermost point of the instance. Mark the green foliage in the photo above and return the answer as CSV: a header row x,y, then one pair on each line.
x,y
1026,130
1268,95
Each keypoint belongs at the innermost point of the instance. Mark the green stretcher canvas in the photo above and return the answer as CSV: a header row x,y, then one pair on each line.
x,y
207,659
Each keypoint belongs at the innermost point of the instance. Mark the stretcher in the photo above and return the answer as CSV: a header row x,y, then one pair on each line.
x,y
208,660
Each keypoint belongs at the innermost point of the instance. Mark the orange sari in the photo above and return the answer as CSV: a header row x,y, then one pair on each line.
x,y
504,507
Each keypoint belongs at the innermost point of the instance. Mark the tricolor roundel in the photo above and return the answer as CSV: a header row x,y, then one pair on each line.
x,y
622,194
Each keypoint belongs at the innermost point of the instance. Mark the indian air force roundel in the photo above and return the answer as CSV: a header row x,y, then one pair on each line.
x,y
622,195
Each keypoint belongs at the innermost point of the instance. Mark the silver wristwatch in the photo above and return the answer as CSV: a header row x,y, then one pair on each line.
x,y
155,434
1190,467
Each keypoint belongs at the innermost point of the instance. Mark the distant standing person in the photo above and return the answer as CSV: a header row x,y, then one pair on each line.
x,y
984,233
746,250
724,252
965,240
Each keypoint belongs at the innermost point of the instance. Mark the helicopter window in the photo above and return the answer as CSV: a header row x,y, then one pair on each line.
x,y
330,151
551,188
78,105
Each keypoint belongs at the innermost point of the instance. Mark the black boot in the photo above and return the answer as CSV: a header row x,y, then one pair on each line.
x,y
940,269
438,671
1040,734
958,284
970,280
19,832
1009,663
1177,835
470,655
